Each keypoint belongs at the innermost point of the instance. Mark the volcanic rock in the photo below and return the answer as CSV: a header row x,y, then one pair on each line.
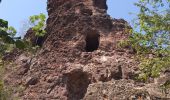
x,y
80,58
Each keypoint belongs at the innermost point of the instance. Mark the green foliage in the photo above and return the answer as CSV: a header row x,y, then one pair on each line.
x,y
153,37
123,44
166,84
151,67
3,23
39,24
153,21
6,44
165,87
8,41
4,95
7,38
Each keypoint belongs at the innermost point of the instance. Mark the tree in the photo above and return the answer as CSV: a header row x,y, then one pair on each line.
x,y
39,25
8,39
153,37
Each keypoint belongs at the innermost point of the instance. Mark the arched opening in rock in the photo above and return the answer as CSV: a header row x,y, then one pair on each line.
x,y
77,84
92,41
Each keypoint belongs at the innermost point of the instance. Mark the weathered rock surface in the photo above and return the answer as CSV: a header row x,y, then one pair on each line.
x,y
33,39
79,58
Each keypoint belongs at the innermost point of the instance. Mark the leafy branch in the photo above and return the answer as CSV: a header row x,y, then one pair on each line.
x,y
39,24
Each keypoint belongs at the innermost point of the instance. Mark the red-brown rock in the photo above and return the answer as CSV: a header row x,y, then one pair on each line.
x,y
79,58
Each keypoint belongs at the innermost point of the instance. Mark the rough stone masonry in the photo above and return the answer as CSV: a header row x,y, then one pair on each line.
x,y
79,58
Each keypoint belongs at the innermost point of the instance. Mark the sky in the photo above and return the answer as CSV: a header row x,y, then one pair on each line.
x,y
16,12
122,8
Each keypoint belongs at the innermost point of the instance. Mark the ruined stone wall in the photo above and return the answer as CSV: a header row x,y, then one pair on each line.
x,y
79,58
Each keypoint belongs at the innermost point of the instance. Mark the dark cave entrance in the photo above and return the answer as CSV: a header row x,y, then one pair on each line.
x,y
92,42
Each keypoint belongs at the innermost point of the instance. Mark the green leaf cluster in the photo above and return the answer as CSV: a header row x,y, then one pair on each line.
x,y
7,38
152,67
39,24
153,37
154,23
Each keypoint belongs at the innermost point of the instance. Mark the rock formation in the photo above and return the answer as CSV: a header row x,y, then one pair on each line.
x,y
79,58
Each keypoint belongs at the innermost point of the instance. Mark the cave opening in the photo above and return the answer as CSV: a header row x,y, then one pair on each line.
x,y
92,41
